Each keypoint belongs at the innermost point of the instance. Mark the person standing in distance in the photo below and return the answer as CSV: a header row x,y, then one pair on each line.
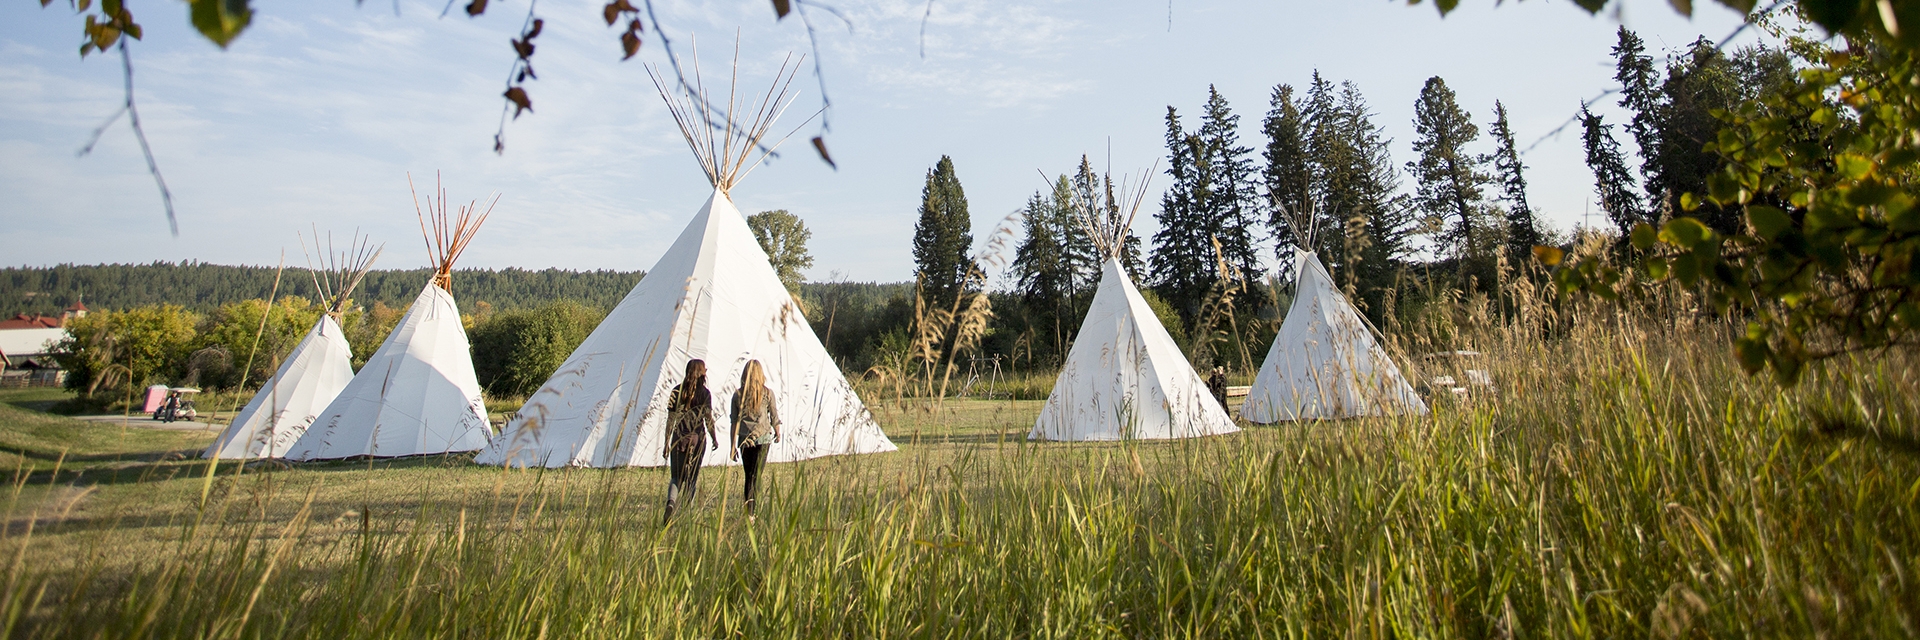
x,y
689,427
756,426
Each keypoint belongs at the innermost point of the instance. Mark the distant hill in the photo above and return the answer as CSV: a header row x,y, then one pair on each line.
x,y
202,287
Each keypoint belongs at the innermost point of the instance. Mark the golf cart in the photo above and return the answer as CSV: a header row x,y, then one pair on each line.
x,y
178,405
1456,375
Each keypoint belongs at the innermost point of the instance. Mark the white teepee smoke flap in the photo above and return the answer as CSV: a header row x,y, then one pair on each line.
x,y
1325,363
315,371
715,297
1124,377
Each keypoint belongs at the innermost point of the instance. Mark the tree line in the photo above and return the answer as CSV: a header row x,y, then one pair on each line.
x,y
204,287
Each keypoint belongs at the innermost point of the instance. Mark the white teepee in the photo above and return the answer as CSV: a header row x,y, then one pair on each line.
x,y
713,296
313,373
418,394
1325,363
1124,377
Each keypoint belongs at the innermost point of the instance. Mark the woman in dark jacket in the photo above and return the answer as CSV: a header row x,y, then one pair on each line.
x,y
689,427
756,425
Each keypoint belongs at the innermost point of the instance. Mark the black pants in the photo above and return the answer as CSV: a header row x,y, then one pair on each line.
x,y
753,458
683,467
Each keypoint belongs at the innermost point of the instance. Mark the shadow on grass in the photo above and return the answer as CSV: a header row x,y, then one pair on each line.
x,y
1829,426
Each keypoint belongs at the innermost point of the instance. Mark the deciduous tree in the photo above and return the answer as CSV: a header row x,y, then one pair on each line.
x,y
784,237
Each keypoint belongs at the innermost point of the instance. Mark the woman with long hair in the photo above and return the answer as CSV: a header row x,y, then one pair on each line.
x,y
689,428
756,425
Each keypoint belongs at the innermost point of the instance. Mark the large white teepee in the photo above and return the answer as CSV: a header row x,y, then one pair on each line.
x,y
713,296
417,394
312,375
1325,363
1124,377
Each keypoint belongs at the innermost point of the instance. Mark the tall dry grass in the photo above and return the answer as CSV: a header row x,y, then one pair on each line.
x,y
1626,480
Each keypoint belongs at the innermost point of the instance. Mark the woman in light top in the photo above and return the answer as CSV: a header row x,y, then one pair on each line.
x,y
756,425
689,428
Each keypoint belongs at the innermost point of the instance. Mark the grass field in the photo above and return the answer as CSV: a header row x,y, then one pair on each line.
x,y
1627,481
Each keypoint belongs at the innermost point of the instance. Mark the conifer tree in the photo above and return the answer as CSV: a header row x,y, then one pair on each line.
x,y
1182,256
1117,214
1233,209
1380,229
1613,182
1038,261
1449,177
1332,155
1083,260
1640,94
1523,232
942,237
1288,174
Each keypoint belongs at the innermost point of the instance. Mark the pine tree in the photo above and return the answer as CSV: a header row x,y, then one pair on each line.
x,y
1038,261
1639,93
942,237
1182,256
1450,178
1381,226
1233,209
1523,231
1117,213
1082,258
1332,155
1612,180
1288,174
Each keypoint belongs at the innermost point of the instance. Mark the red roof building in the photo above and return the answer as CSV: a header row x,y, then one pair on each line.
x,y
36,321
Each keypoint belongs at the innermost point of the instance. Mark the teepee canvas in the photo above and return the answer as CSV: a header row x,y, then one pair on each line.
x,y
1325,363
417,394
312,374
1124,377
715,297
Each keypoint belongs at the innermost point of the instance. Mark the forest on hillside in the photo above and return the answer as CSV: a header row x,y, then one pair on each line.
x,y
204,287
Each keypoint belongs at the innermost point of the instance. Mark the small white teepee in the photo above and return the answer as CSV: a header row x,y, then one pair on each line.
x,y
713,296
418,394
1124,377
313,373
1325,363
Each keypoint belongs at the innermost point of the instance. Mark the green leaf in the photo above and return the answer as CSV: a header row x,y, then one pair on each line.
x,y
1768,221
1853,166
1644,236
221,20
1659,268
1686,270
1905,218
1685,232
1752,353
1685,7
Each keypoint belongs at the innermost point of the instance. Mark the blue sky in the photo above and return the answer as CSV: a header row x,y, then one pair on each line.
x,y
317,113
